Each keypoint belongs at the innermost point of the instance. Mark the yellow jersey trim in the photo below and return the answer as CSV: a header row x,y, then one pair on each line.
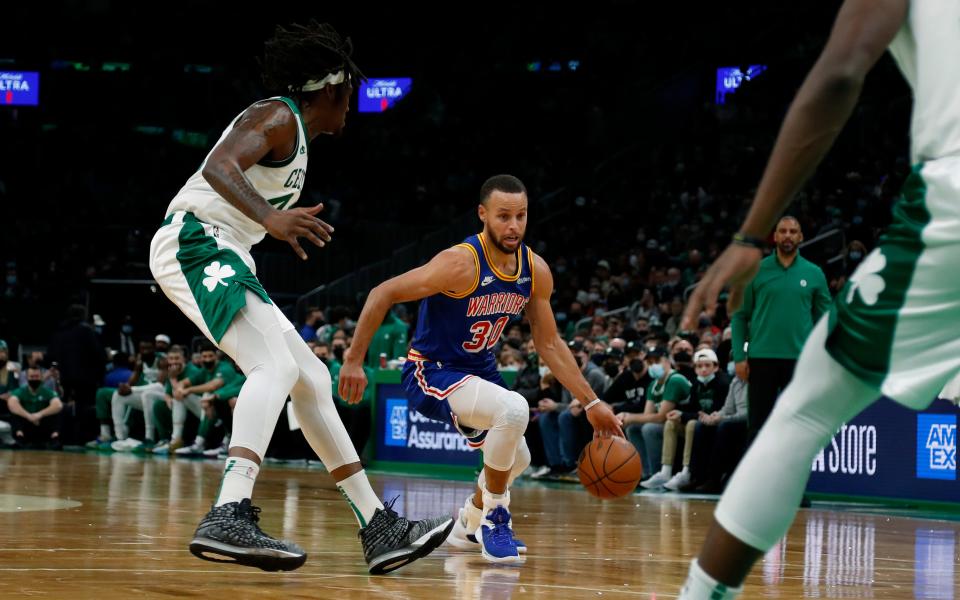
x,y
493,267
533,280
476,278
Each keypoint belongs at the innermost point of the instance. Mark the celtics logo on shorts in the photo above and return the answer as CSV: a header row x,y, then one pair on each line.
x,y
867,279
216,274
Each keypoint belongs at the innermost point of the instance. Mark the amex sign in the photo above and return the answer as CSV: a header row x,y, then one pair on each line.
x,y
894,452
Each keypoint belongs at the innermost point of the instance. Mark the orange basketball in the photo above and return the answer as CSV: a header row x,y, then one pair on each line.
x,y
609,467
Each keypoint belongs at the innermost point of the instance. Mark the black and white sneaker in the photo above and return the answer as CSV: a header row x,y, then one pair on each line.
x,y
391,541
230,534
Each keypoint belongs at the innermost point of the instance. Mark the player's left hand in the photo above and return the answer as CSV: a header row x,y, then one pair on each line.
x,y
604,422
352,380
737,267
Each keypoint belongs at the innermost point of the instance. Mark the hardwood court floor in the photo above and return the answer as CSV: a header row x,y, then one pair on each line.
x,y
77,526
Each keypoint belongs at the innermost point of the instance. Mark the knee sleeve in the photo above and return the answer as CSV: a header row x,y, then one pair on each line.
x,y
510,418
514,412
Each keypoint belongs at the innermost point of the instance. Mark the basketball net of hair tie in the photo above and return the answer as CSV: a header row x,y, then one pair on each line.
x,y
318,84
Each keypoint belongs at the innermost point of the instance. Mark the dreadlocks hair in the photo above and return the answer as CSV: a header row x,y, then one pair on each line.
x,y
300,53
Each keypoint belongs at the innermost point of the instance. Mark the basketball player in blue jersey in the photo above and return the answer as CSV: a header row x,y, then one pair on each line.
x,y
470,293
201,259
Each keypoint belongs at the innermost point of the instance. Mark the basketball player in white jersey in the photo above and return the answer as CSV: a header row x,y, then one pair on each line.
x,y
894,329
201,258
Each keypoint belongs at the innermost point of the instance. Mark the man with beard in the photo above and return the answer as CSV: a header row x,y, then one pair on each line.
x,y
470,294
780,307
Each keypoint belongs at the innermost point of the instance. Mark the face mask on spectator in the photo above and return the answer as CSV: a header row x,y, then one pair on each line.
x,y
11,280
34,384
127,329
560,269
544,369
593,297
147,357
707,379
209,364
682,357
731,368
856,255
338,353
611,369
656,371
636,365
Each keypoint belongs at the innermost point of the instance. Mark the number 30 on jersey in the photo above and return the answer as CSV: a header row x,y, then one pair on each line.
x,y
485,334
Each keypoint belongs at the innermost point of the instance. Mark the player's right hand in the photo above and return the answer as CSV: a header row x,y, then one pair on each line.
x,y
352,381
288,225
604,422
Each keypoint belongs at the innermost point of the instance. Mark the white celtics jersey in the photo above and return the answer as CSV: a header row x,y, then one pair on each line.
x,y
279,182
151,373
927,50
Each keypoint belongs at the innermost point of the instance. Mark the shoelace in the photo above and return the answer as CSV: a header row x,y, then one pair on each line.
x,y
500,534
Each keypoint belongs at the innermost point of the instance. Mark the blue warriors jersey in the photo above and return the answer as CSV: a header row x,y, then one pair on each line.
x,y
460,330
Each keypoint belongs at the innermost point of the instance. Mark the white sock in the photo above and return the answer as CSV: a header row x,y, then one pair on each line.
x,y
178,431
471,514
198,441
666,470
491,500
104,431
364,502
686,470
239,475
700,585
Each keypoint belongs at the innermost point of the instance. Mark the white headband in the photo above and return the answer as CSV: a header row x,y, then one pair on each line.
x,y
331,79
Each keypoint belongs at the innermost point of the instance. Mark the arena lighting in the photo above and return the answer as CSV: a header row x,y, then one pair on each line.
x,y
379,94
729,79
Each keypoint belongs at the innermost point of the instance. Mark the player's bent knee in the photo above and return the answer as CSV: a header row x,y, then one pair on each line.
x,y
523,458
514,413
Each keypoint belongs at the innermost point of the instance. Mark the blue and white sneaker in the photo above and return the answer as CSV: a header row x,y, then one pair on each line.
x,y
464,538
496,537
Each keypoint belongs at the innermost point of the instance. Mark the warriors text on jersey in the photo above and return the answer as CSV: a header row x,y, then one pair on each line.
x,y
460,330
279,182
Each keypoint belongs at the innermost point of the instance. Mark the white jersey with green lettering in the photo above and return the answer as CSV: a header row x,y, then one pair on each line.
x,y
927,50
279,182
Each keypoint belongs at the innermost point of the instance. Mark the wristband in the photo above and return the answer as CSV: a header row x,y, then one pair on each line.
x,y
592,403
742,239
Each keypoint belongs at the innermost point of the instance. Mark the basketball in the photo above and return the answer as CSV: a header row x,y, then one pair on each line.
x,y
609,467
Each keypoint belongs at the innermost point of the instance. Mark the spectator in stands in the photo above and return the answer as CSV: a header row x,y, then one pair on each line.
x,y
719,453
573,319
338,345
339,322
119,373
125,341
312,321
74,347
218,408
390,340
9,376
780,306
646,307
9,381
137,395
667,389
51,376
508,359
628,391
36,413
706,396
681,354
169,420
676,313
162,343
563,435
214,375
612,364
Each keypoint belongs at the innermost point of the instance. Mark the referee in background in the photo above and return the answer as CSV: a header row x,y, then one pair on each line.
x,y
779,310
